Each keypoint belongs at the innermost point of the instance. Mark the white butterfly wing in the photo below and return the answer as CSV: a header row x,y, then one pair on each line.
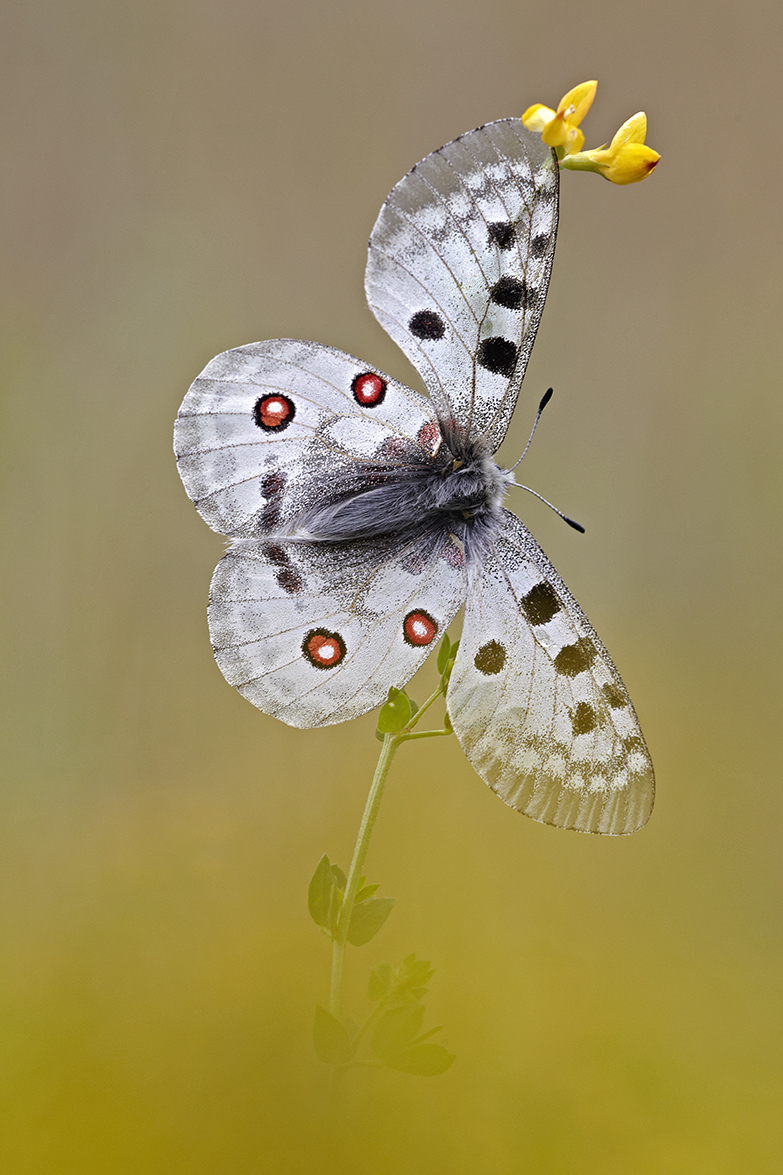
x,y
315,633
458,269
536,702
265,427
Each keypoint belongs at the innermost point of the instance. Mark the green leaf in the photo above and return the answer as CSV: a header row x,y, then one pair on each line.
x,y
396,1029
414,706
423,1060
366,892
380,982
368,918
340,879
411,978
332,1043
395,713
443,652
319,894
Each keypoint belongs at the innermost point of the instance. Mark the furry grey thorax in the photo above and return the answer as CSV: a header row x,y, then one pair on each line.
x,y
460,490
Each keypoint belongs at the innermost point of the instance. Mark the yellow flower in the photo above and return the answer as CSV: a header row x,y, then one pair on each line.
x,y
560,128
625,161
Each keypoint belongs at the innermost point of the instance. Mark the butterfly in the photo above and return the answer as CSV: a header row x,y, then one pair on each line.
x,y
362,515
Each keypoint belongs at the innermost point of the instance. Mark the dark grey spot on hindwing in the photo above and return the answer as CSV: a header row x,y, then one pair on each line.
x,y
289,580
614,696
541,603
498,355
287,575
490,658
502,233
426,324
584,719
574,659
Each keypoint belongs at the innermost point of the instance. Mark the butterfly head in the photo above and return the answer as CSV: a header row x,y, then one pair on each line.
x,y
470,484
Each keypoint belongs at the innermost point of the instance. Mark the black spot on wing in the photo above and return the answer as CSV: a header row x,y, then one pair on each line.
x,y
426,324
614,696
498,355
514,294
502,233
574,659
490,658
508,292
584,719
541,603
539,244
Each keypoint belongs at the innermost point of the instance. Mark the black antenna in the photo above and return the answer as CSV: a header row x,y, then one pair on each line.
x,y
547,396
576,525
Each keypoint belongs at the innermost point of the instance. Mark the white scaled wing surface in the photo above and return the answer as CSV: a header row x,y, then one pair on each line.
x,y
458,269
266,426
536,702
315,633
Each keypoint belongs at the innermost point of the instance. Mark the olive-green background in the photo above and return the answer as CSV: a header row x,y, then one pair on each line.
x,y
184,176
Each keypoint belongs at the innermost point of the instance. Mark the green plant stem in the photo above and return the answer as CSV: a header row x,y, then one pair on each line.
x,y
424,707
424,734
391,742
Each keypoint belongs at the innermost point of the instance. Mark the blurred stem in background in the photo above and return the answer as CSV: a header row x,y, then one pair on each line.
x,y
391,743
348,911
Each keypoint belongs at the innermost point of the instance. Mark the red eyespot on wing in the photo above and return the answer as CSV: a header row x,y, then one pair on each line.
x,y
274,413
323,649
429,437
419,628
368,389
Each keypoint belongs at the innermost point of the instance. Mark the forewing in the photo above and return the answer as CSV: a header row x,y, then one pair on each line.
x,y
459,265
316,633
536,702
265,428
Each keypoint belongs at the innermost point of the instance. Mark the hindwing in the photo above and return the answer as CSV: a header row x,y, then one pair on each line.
x,y
536,701
315,633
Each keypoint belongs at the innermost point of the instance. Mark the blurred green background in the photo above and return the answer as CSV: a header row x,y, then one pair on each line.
x,y
185,176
